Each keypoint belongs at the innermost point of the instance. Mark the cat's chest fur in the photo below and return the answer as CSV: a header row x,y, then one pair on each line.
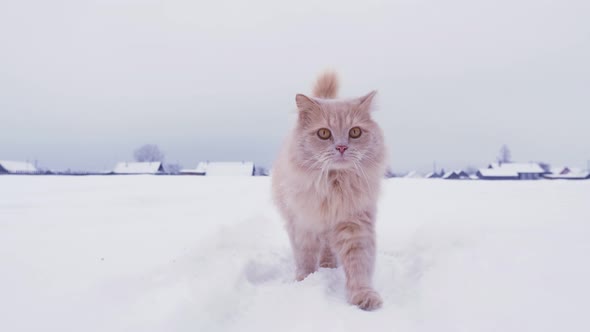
x,y
332,198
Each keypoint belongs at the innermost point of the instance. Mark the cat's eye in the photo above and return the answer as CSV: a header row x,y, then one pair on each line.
x,y
324,133
355,132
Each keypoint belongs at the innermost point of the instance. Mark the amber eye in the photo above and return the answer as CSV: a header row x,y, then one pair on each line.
x,y
355,132
324,133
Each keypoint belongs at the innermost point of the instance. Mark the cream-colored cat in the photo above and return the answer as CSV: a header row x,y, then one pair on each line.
x,y
326,182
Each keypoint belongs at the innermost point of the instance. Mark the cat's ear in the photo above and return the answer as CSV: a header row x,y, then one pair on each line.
x,y
366,101
304,103
306,106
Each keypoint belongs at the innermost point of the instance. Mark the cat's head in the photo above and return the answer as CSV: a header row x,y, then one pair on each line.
x,y
336,134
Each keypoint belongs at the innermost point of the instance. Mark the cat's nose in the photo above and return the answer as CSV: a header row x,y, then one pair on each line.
x,y
341,148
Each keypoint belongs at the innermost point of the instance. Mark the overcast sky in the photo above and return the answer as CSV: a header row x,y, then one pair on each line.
x,y
83,83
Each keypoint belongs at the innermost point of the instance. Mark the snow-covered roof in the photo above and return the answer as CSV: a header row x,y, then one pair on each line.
x,y
200,170
202,167
242,168
413,175
558,169
138,168
449,174
565,170
511,170
17,167
459,173
498,172
567,173
519,167
432,175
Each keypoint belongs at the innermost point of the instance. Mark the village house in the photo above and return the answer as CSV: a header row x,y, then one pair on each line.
x,y
155,167
457,175
511,171
17,167
567,173
413,175
200,170
435,175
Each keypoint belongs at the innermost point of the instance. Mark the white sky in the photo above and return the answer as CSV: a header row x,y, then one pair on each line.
x,y
83,83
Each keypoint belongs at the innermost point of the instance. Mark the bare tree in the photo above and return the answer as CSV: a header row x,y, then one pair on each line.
x,y
505,155
389,173
148,153
173,168
545,166
471,170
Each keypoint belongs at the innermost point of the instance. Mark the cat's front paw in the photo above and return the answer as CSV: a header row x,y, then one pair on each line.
x,y
366,299
299,276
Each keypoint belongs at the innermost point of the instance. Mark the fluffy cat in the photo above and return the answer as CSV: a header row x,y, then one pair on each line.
x,y
326,183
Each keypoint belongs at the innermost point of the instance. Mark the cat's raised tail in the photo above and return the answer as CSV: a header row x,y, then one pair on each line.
x,y
326,86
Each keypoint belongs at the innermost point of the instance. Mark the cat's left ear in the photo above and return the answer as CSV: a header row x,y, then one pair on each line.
x,y
307,106
366,101
304,103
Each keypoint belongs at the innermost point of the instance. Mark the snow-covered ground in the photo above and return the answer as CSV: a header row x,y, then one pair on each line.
x,y
161,253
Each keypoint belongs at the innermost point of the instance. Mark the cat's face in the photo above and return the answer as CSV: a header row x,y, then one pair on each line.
x,y
337,134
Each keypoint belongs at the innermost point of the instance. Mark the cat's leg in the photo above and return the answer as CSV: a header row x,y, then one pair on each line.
x,y
327,258
306,250
354,244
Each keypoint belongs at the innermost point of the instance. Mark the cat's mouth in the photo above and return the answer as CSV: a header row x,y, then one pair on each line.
x,y
341,161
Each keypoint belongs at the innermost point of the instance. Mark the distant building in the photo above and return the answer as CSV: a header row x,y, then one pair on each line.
x,y
511,171
433,175
200,170
457,175
240,168
261,171
155,167
567,173
413,175
17,167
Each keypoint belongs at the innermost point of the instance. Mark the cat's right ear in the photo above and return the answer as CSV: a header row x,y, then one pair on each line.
x,y
306,106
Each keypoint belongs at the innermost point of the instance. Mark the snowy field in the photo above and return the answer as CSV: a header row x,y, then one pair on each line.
x,y
162,253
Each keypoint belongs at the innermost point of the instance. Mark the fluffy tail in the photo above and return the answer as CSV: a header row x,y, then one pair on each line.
x,y
326,86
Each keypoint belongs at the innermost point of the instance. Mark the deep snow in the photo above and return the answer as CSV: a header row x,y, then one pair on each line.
x,y
161,253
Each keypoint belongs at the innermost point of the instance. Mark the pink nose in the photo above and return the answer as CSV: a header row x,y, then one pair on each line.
x,y
341,148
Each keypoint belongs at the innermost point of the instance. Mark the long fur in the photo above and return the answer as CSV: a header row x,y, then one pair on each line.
x,y
326,86
330,205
